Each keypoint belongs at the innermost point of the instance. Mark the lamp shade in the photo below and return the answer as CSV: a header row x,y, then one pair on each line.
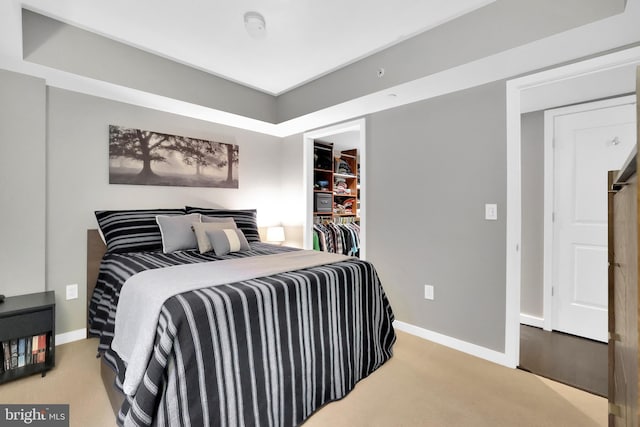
x,y
275,234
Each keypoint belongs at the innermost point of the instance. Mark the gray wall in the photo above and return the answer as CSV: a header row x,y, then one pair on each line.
x,y
77,181
22,184
531,290
52,43
502,25
431,168
499,26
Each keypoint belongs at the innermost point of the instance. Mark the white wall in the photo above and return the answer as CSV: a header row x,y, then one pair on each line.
x,y
77,181
293,208
22,184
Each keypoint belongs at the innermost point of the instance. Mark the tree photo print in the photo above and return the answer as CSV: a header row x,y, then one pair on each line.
x,y
144,157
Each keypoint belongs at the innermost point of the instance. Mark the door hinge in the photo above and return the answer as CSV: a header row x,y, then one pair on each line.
x,y
553,290
615,409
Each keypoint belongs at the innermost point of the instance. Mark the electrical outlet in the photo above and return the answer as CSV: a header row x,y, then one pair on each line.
x,y
491,211
428,292
72,291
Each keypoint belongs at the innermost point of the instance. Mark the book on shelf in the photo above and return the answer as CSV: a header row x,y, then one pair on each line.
x,y
42,348
34,349
21,352
14,354
27,351
21,348
6,349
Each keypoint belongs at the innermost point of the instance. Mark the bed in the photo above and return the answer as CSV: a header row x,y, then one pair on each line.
x,y
266,350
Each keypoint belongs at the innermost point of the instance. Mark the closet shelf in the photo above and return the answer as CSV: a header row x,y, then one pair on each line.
x,y
343,175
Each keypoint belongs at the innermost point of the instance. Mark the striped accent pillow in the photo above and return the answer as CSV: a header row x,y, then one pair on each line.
x,y
200,229
132,230
245,219
227,240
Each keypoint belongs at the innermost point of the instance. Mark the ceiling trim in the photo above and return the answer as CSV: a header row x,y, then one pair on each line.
x,y
621,30
406,37
433,12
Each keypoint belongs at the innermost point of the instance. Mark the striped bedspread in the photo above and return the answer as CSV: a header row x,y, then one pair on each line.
x,y
267,351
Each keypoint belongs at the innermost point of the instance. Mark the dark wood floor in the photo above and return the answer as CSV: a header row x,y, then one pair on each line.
x,y
578,362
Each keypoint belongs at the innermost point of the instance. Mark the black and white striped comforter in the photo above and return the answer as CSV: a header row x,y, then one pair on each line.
x,y
266,351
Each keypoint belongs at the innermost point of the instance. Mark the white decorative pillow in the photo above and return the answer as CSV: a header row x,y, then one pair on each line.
x,y
201,228
228,240
177,233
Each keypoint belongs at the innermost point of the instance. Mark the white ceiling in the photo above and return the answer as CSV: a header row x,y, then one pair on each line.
x,y
305,39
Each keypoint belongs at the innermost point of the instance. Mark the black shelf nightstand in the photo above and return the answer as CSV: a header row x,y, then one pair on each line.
x,y
26,316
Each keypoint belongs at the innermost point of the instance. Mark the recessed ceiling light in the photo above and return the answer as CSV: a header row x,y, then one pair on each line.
x,y
255,25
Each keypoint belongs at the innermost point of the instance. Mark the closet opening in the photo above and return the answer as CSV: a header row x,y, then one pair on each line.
x,y
335,189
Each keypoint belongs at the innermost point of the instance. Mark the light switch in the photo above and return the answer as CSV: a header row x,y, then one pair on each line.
x,y
491,211
428,292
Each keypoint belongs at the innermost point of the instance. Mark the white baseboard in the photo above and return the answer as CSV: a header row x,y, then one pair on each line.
x,y
527,319
454,343
67,337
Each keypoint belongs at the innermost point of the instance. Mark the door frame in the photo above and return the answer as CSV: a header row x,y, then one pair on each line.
x,y
358,125
514,89
549,188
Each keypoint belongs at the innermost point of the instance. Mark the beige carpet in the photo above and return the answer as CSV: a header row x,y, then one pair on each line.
x,y
424,384
75,380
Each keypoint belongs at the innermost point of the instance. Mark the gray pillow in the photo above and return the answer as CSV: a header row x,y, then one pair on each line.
x,y
177,233
201,228
218,220
246,219
228,240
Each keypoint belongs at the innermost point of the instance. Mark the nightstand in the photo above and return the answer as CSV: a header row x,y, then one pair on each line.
x,y
26,318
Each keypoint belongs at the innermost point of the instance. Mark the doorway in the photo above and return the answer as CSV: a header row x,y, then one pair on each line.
x,y
537,92
582,143
348,135
590,138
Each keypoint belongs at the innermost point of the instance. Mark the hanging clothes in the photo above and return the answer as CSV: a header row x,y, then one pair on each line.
x,y
338,238
316,242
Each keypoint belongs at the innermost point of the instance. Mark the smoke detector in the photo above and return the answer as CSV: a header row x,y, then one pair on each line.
x,y
255,25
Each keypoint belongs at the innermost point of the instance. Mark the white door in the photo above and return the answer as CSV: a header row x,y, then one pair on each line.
x,y
588,144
